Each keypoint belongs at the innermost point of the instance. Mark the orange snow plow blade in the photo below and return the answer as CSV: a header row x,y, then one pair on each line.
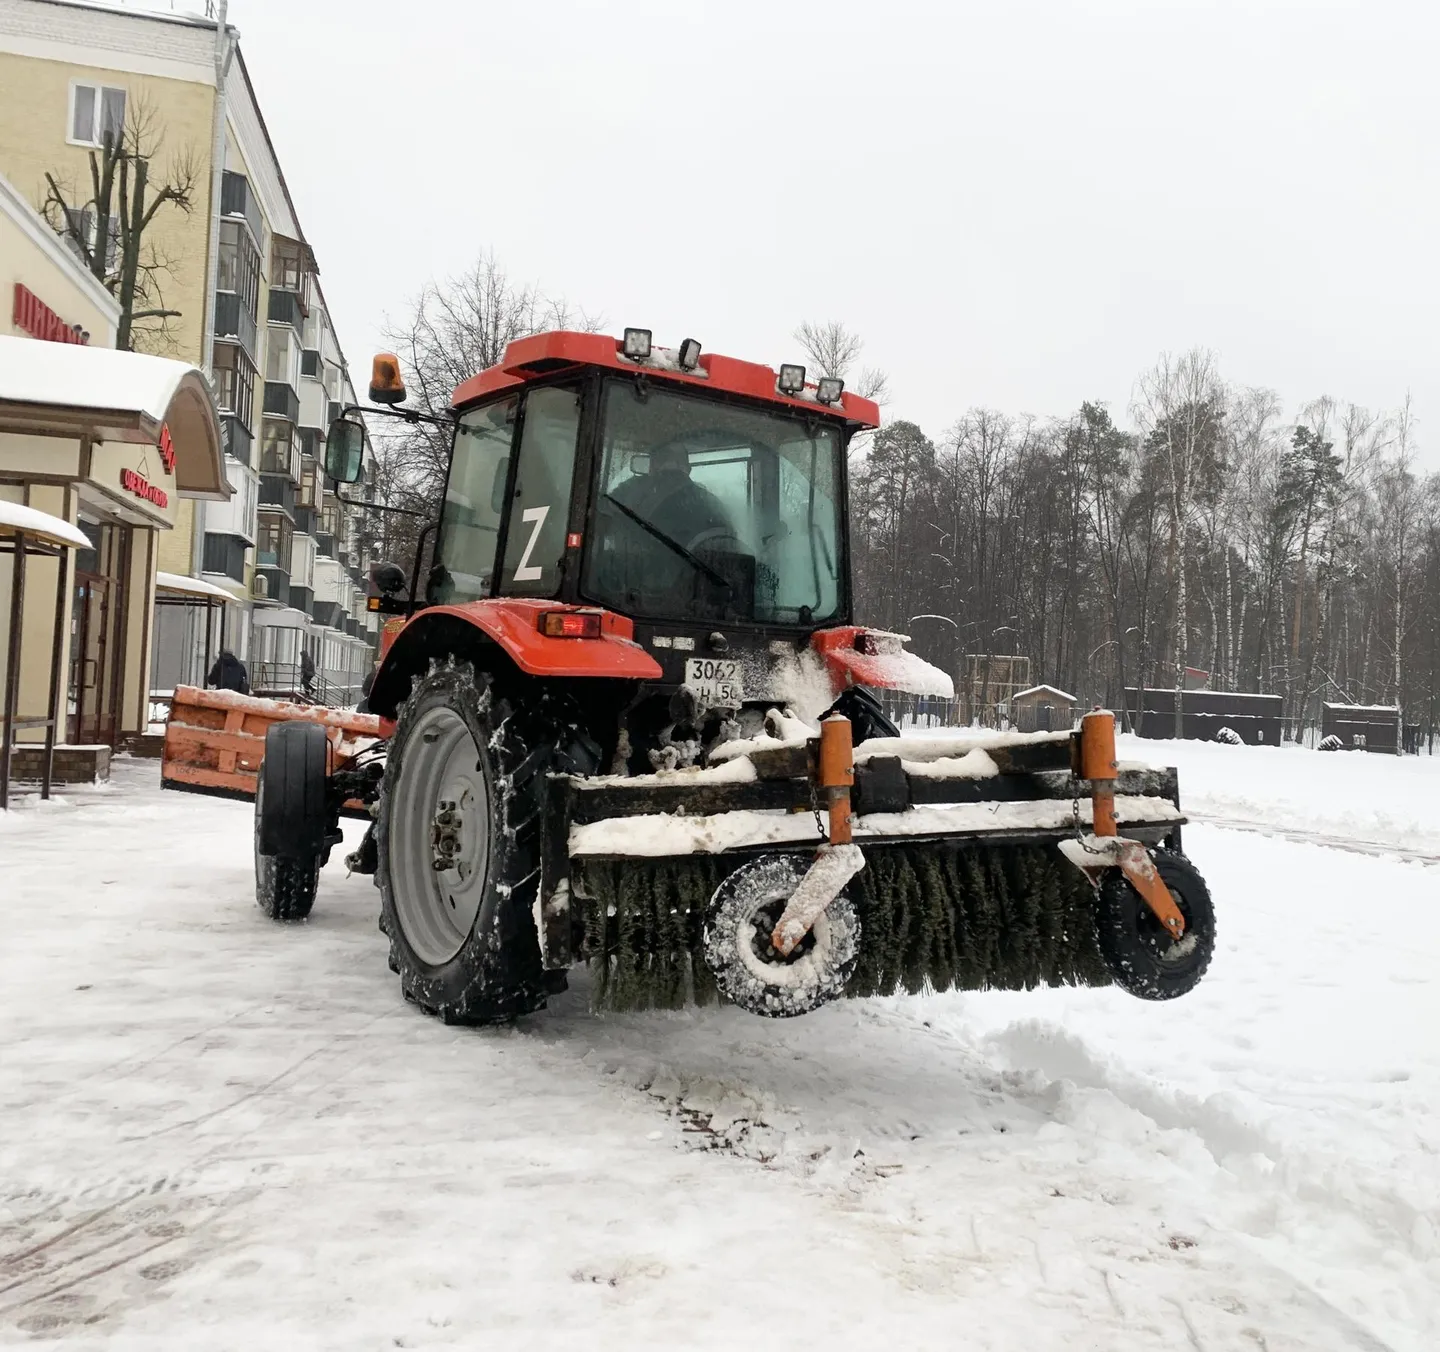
x,y
215,739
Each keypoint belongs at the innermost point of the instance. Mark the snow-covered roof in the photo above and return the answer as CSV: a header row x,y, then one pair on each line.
x,y
1388,709
51,530
1043,690
191,586
122,396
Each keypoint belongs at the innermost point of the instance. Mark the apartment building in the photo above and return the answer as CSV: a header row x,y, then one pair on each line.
x,y
290,556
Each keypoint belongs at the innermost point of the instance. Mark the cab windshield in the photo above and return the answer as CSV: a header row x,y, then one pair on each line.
x,y
706,511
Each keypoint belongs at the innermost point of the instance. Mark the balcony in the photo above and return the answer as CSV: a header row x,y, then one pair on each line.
x,y
302,598
281,400
286,307
236,199
278,581
225,554
325,612
311,364
277,492
233,323
239,439
304,520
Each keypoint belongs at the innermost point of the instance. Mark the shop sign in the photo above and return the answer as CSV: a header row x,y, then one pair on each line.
x,y
38,320
167,448
141,487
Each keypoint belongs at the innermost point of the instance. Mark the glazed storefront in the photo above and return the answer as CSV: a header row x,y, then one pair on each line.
x,y
108,441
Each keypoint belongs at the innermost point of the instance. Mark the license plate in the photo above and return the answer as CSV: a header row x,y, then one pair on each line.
x,y
716,681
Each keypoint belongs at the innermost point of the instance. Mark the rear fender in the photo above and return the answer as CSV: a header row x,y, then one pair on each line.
x,y
513,626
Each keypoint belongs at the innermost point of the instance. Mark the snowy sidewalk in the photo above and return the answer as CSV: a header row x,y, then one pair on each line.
x,y
217,1132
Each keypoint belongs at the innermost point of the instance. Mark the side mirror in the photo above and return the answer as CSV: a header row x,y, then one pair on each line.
x,y
345,450
497,489
389,578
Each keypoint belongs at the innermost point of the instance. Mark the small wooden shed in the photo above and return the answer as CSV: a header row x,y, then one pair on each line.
x,y
1362,727
1042,708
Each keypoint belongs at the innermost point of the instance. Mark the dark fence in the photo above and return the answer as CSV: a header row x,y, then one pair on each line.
x,y
1254,718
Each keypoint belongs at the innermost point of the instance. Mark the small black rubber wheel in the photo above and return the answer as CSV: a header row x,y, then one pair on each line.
x,y
750,971
284,886
1140,954
458,848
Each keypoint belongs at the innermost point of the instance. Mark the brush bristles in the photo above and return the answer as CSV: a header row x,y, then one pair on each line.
x,y
933,918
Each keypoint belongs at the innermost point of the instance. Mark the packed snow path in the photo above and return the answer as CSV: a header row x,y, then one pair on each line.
x,y
219,1132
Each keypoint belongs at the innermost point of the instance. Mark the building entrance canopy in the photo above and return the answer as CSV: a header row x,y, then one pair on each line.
x,y
122,402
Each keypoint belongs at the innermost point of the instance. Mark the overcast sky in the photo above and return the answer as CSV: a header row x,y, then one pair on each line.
x,y
1016,205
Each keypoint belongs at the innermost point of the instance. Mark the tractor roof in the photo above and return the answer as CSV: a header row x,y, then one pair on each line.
x,y
543,354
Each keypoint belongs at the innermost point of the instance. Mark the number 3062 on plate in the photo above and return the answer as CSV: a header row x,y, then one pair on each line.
x,y
717,682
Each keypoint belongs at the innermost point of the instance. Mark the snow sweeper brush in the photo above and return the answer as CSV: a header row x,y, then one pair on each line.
x,y
815,870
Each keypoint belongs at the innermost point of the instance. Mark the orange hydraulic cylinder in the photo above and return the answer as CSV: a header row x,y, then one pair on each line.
x,y
1099,765
837,774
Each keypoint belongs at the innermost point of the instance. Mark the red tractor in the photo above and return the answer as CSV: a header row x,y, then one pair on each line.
x,y
630,723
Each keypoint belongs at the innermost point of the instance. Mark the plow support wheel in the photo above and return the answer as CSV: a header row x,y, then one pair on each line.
x,y
1106,848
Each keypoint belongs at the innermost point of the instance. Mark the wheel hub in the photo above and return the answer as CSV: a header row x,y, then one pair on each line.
x,y
439,835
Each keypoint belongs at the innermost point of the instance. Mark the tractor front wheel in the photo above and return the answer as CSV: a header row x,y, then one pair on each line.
x,y
290,820
457,850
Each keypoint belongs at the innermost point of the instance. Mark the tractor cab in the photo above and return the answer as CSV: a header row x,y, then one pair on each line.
x,y
699,498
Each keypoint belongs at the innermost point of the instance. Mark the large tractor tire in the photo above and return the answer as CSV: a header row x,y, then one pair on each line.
x,y
1142,957
457,841
290,820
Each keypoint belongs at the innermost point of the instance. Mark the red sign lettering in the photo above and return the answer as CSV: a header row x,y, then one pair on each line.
x,y
38,320
167,448
143,488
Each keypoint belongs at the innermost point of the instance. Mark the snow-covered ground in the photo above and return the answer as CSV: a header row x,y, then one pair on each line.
x,y
217,1132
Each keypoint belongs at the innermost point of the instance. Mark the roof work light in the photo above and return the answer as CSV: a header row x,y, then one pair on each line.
x,y
636,344
829,388
792,379
689,354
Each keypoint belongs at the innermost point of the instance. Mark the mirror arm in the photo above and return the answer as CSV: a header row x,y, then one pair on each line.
x,y
409,415
378,507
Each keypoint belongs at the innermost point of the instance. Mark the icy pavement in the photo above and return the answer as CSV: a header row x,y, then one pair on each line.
x,y
219,1133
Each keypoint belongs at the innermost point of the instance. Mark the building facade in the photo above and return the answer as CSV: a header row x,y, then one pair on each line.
x,y
246,286
111,442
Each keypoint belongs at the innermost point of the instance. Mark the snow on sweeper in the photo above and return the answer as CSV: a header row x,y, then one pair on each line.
x,y
630,724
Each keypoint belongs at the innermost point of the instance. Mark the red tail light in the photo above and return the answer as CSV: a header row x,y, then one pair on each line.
x,y
570,624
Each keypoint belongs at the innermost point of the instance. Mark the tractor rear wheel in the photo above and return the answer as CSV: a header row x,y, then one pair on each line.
x,y
1142,957
457,850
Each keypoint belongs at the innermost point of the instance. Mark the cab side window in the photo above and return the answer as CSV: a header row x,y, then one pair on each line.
x,y
539,508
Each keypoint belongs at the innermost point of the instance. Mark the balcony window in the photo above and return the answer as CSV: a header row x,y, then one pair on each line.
x,y
234,383
309,495
239,266
274,539
291,268
282,357
278,452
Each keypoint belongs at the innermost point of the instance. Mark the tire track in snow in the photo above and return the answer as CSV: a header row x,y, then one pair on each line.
x,y
1377,849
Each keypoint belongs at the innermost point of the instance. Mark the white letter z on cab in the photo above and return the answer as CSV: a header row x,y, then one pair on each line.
x,y
527,571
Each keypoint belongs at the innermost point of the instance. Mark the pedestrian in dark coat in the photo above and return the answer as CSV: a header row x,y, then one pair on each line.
x,y
307,672
229,673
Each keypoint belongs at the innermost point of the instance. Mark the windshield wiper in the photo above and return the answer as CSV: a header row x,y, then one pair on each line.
x,y
714,574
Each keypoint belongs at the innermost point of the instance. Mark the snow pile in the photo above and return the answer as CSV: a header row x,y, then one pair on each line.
x,y
781,730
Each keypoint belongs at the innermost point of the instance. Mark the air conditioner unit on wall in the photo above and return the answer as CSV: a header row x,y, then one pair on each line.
x,y
260,587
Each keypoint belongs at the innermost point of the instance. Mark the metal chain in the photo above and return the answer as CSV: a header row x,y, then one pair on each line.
x,y
815,808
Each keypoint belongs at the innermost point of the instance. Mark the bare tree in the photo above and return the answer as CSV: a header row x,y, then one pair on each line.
x,y
110,225
1180,407
455,330
833,349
